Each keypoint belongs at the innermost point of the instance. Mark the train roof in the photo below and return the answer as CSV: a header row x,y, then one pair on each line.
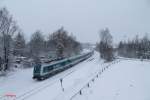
x,y
56,62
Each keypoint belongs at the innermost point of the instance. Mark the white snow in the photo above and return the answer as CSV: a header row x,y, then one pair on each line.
x,y
71,81
22,84
126,80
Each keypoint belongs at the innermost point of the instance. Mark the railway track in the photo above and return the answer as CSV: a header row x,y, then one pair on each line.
x,y
44,85
47,84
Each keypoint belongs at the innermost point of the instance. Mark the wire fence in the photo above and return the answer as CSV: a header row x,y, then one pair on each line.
x,y
92,80
80,90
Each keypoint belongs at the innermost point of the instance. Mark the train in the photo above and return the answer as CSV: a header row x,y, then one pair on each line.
x,y
41,72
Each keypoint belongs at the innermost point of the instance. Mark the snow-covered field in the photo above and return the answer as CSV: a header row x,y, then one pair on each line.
x,y
23,86
126,80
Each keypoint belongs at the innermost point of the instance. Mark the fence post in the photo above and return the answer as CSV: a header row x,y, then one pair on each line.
x,y
93,79
80,92
61,82
88,85
97,76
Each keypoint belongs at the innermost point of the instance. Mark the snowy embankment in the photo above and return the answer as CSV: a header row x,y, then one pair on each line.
x,y
24,87
76,78
127,80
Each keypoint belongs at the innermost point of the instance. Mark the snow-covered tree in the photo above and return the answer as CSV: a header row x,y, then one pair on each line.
x,y
8,28
64,44
105,45
19,44
36,43
138,47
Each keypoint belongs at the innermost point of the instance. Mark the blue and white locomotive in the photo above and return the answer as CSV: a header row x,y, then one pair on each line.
x,y
41,72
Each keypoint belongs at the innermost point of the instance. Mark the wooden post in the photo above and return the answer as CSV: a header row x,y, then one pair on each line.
x,y
97,75
88,85
93,79
80,92
61,82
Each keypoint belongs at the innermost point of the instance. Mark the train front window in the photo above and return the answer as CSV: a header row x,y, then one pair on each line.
x,y
37,69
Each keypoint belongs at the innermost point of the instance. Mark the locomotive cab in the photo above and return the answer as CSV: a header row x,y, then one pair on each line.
x,y
37,71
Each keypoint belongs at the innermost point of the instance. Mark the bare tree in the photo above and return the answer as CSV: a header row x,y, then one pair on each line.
x,y
36,43
8,28
74,47
19,44
106,37
105,45
138,47
59,38
65,45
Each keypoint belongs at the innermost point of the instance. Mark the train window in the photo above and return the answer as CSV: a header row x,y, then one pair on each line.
x,y
37,69
50,68
56,65
63,63
47,69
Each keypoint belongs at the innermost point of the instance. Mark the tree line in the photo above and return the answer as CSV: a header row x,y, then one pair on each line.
x,y
135,48
13,43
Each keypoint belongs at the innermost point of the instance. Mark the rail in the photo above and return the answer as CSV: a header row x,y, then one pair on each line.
x,y
39,88
80,89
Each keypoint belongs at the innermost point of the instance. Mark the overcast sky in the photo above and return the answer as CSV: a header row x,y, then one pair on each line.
x,y
84,18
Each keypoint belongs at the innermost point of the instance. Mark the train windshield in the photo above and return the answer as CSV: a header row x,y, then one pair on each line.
x,y
37,69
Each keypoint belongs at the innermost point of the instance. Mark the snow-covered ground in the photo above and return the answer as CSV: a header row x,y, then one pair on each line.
x,y
23,86
126,80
